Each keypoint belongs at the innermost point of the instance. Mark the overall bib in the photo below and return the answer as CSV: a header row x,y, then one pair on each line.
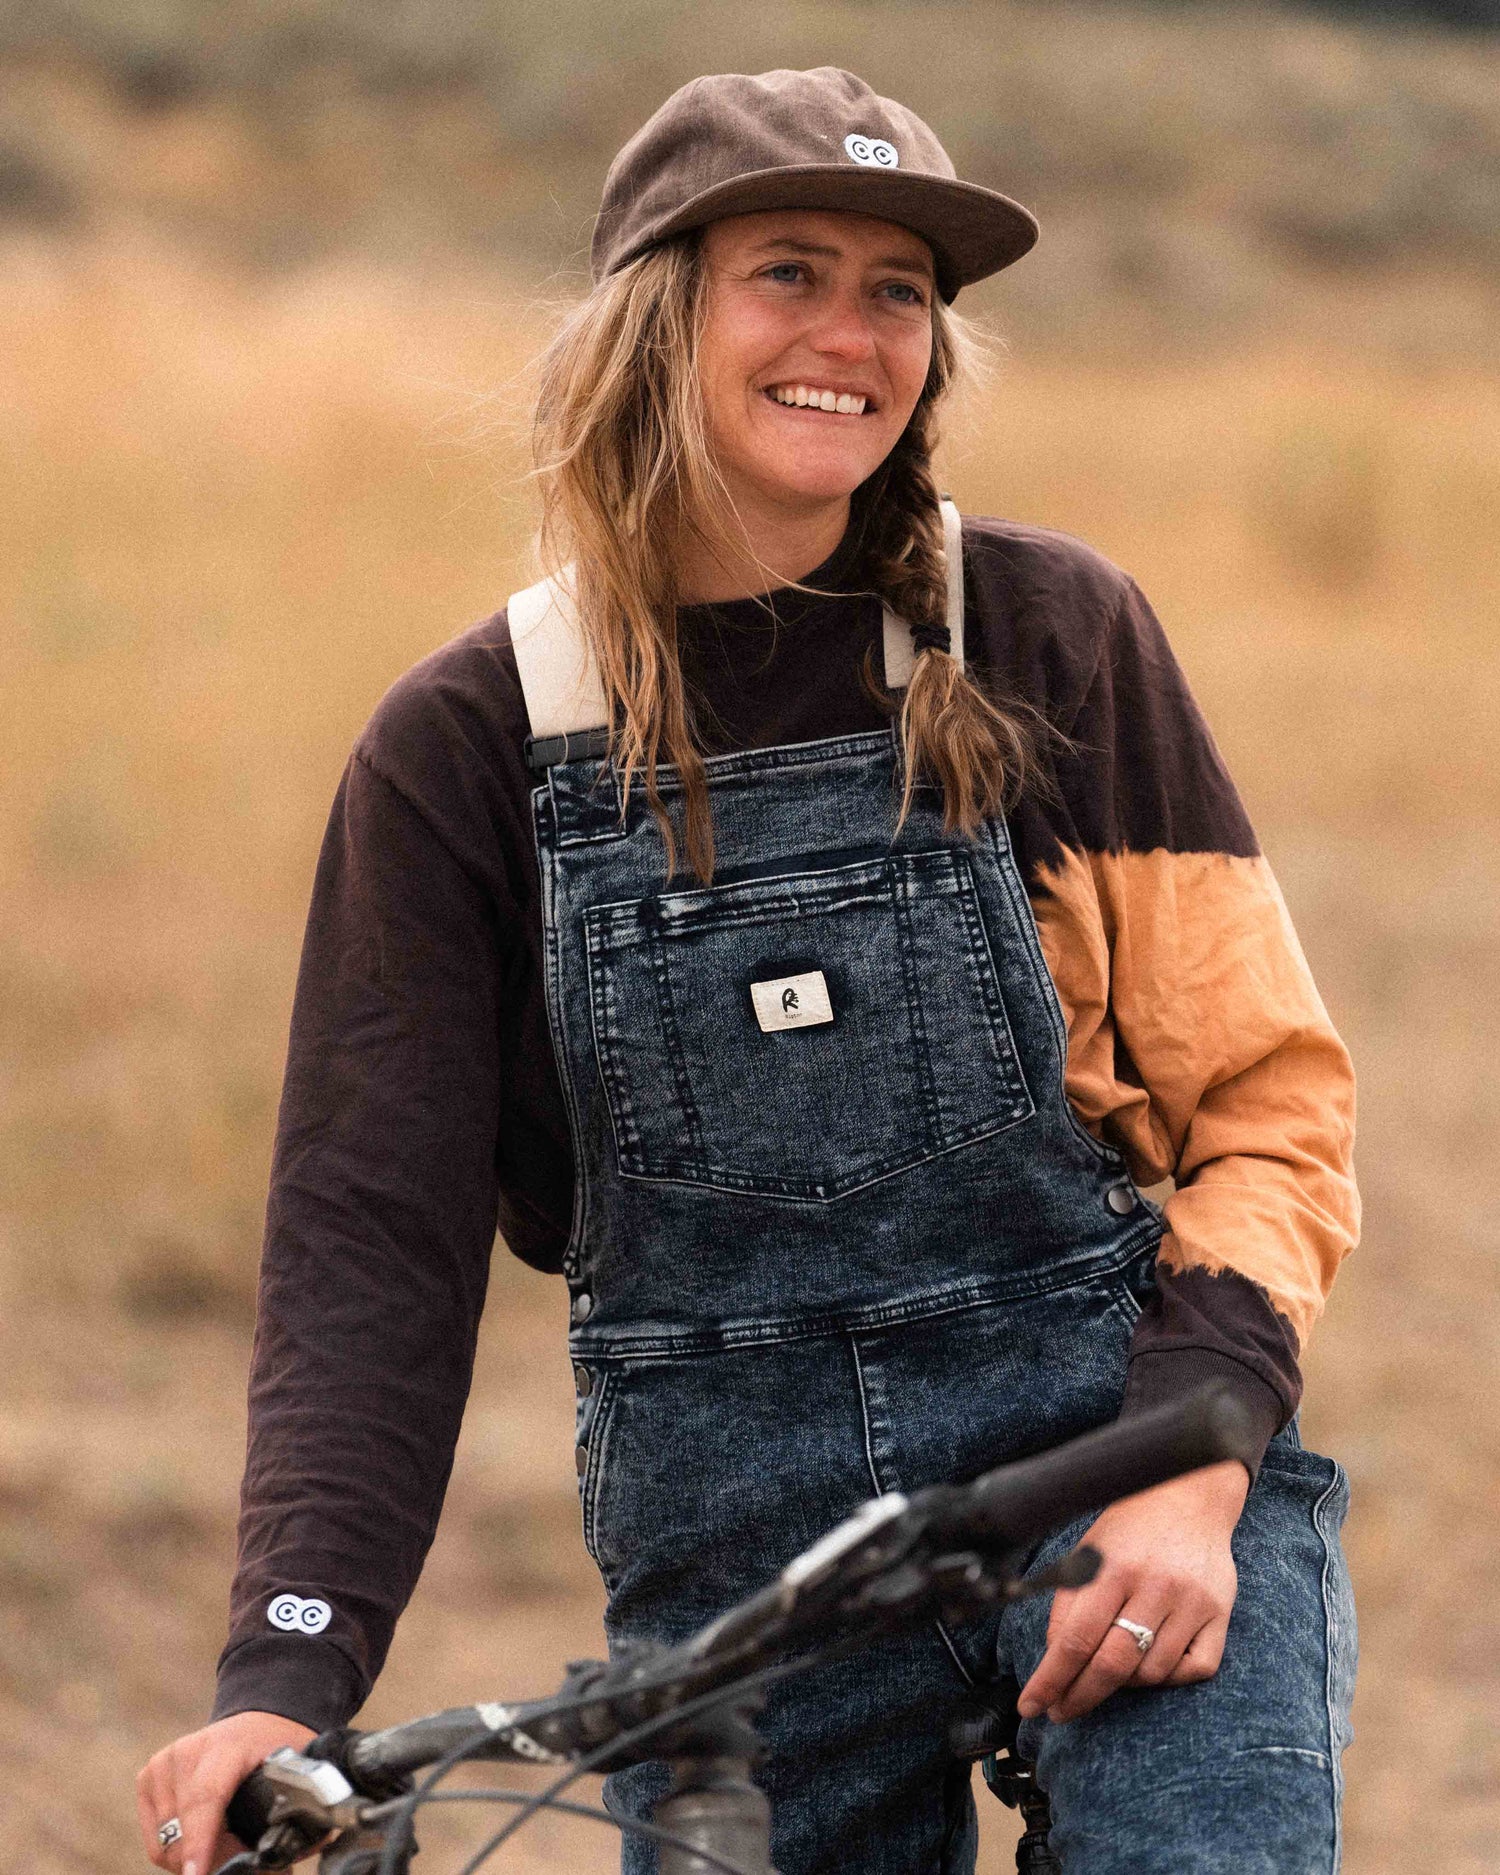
x,y
837,1231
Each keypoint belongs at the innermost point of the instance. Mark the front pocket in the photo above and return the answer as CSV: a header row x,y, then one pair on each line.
x,y
917,1058
591,1428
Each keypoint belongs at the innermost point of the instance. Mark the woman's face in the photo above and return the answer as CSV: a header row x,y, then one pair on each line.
x,y
805,308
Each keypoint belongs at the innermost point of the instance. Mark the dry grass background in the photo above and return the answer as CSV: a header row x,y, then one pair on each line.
x,y
234,510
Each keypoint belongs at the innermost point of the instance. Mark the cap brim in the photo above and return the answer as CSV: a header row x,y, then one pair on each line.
x,y
972,231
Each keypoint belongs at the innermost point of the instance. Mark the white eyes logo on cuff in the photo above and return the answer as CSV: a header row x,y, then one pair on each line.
x,y
873,150
294,1616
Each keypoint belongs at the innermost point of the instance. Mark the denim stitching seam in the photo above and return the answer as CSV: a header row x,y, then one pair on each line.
x,y
1031,944
981,960
596,1433
621,1111
953,1301
676,1054
552,973
864,1415
1330,1628
880,1491
900,895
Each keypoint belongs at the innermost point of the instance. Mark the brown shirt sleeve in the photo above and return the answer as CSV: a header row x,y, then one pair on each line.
x,y
1197,1039
378,1234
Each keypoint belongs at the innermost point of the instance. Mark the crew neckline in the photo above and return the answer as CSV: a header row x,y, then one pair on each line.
x,y
784,605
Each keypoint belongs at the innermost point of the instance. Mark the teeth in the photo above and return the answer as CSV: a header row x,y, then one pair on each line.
x,y
845,403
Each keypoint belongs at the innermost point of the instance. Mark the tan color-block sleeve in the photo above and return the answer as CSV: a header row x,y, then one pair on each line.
x,y
1198,1043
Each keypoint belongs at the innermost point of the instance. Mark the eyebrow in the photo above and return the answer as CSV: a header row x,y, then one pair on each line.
x,y
902,261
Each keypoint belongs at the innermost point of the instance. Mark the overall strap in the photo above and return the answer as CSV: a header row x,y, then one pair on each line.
x,y
565,700
900,653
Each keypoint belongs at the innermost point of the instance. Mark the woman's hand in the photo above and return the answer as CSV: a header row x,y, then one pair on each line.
x,y
194,1779
1167,1566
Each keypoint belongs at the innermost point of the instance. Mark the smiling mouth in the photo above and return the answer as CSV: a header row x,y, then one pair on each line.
x,y
814,397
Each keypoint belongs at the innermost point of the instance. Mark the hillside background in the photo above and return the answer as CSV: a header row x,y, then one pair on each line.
x,y
271,281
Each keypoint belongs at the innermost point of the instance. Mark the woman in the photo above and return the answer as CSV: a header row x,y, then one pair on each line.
x,y
888,925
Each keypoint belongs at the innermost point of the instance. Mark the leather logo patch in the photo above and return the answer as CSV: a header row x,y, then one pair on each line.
x,y
798,1002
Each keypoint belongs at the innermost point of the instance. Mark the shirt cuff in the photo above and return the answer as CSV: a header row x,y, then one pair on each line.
x,y
309,1681
1155,1379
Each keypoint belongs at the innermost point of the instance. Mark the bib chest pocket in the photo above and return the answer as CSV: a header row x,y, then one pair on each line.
x,y
914,1059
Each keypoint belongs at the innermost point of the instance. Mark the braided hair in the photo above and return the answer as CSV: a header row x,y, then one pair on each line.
x,y
954,732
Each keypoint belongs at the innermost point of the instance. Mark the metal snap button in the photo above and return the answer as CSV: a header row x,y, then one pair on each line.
x,y
1120,1199
583,1380
581,1459
583,1306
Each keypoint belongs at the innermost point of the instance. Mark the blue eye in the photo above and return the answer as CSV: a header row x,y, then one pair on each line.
x,y
918,298
782,269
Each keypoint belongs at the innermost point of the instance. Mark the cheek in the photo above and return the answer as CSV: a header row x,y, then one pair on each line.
x,y
726,375
907,366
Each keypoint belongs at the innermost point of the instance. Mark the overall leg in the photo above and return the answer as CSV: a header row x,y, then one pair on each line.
x,y
1240,1774
858,1771
705,1477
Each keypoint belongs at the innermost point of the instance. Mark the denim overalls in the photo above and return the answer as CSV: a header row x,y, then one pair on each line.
x,y
838,1231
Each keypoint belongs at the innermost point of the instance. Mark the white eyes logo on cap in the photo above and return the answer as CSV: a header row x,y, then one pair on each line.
x,y
872,150
294,1616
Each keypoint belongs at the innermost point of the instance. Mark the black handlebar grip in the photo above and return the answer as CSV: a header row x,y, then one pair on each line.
x,y
1018,1504
248,1815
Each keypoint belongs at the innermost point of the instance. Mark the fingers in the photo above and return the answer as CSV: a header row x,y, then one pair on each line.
x,y
156,1801
1172,1639
202,1825
1114,1661
1088,1657
1084,1649
194,1779
1202,1658
152,1809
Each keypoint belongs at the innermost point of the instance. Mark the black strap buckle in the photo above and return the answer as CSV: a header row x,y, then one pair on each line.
x,y
578,745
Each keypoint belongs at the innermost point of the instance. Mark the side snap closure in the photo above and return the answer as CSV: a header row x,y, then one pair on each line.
x,y
1120,1199
581,1459
583,1381
583,1306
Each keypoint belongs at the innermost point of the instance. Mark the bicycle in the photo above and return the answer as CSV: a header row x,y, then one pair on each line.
x,y
951,1551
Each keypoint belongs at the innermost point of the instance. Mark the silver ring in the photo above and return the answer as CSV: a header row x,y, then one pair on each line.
x,y
169,1832
1138,1632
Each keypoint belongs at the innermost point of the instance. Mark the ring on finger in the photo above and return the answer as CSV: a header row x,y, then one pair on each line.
x,y
169,1832
1138,1632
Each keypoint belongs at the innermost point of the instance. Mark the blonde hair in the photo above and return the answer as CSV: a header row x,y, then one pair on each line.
x,y
626,471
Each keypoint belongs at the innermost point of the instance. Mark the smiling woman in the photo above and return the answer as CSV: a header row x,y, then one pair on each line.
x,y
807,313
837,1135
670,402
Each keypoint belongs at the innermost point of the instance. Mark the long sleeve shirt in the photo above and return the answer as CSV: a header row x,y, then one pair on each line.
x,y
421,1106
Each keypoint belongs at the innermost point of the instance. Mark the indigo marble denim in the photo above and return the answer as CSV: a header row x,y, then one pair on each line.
x,y
868,1251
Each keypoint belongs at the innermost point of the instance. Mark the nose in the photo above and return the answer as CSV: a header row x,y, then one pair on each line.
x,y
843,329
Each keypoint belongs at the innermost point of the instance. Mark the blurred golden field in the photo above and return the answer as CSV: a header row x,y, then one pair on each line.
x,y
232,516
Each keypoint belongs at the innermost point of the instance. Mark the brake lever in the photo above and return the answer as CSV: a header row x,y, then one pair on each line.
x,y
311,1800
1073,1571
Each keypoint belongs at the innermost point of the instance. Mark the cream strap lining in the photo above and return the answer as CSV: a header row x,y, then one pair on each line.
x,y
561,686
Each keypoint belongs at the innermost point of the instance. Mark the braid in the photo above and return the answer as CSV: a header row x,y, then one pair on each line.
x,y
902,533
978,750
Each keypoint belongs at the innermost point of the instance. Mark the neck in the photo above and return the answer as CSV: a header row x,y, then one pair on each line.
x,y
764,549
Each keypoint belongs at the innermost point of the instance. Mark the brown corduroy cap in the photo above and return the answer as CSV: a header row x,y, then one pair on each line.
x,y
731,144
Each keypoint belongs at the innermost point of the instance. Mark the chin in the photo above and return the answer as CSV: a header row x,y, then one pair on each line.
x,y
815,481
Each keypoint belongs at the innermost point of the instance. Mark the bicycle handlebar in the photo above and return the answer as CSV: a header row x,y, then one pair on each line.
x,y
887,1567
1017,1505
